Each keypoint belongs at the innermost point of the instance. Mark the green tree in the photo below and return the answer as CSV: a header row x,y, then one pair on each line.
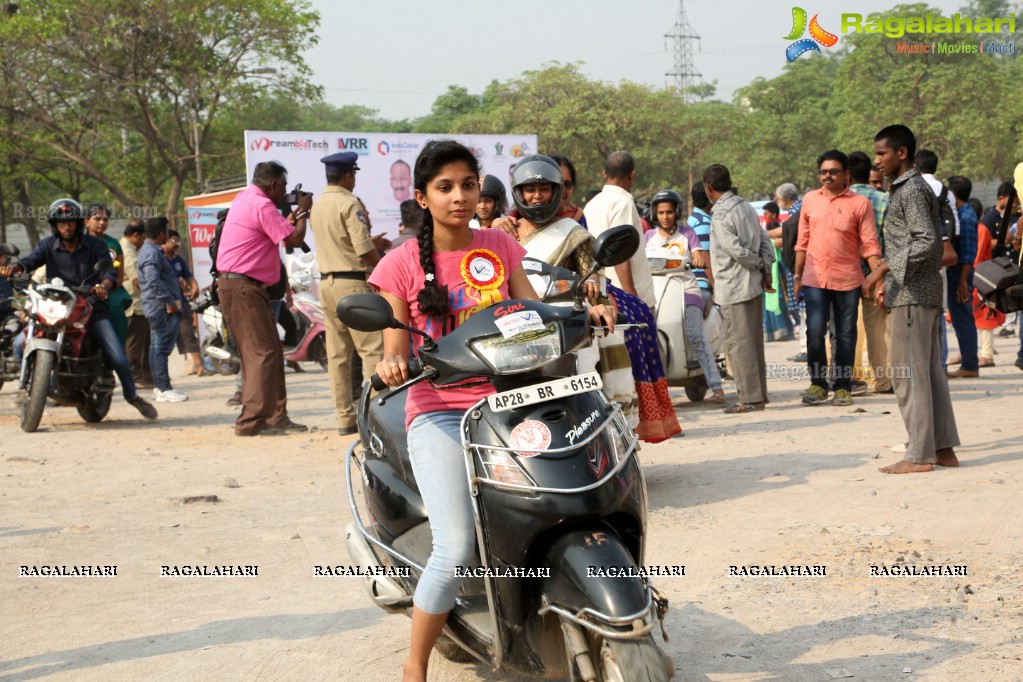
x,y
127,93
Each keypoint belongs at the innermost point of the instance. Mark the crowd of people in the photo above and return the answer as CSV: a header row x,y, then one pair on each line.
x,y
869,264
810,265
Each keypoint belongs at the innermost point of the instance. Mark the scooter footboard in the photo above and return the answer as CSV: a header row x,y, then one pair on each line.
x,y
594,581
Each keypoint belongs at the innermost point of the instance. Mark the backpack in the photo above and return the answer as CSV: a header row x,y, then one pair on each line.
x,y
946,219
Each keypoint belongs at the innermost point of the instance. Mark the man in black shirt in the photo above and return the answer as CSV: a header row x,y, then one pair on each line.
x,y
71,254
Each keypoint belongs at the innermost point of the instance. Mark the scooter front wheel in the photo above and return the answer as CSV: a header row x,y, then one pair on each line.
x,y
43,363
633,660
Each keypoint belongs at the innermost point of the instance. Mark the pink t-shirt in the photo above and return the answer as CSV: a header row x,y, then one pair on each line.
x,y
252,233
401,275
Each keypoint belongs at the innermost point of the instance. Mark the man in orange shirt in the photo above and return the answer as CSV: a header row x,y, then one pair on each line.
x,y
836,225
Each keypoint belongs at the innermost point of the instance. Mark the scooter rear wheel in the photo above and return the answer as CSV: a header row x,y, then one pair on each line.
x,y
318,350
447,648
96,408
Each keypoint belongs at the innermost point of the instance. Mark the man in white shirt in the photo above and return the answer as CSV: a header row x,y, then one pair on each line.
x,y
615,206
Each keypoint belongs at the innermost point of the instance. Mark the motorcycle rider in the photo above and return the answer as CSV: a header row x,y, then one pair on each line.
x,y
666,209
435,283
71,254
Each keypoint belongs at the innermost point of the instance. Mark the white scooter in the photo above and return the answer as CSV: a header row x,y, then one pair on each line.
x,y
681,366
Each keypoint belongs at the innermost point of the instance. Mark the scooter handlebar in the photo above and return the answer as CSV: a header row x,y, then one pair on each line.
x,y
415,368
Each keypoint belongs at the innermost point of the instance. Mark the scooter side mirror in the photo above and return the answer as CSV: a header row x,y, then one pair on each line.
x,y
102,266
615,246
366,313
9,250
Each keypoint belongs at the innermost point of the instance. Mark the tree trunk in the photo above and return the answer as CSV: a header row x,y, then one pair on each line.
x,y
31,227
173,200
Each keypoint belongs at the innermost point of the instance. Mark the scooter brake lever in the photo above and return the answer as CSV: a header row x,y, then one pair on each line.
x,y
428,373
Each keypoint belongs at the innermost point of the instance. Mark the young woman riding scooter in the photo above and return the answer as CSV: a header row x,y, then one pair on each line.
x,y
666,210
434,283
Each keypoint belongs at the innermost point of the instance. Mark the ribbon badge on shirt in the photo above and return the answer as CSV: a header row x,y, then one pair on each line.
x,y
483,270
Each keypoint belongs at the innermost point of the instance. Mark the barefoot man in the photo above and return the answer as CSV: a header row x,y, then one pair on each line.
x,y
909,286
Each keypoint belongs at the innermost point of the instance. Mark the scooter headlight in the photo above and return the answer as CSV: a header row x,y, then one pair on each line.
x,y
522,352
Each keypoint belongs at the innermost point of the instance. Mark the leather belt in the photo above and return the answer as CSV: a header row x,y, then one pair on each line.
x,y
238,275
361,276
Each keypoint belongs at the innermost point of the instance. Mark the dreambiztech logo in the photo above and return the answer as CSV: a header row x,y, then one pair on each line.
x,y
804,45
262,143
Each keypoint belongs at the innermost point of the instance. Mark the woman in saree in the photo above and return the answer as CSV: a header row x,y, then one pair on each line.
x,y
630,364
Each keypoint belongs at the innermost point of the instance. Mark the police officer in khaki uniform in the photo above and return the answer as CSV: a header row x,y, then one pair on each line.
x,y
345,253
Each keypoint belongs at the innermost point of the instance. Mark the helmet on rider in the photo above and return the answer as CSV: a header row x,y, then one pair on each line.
x,y
494,189
665,195
537,169
63,211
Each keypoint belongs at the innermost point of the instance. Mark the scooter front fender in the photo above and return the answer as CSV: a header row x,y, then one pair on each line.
x,y
589,580
32,345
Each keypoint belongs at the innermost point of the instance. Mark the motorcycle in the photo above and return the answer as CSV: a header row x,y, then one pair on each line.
x,y
62,361
305,337
681,366
11,325
557,490
217,342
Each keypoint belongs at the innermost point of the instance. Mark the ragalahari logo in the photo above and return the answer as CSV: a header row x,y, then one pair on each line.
x,y
262,143
804,45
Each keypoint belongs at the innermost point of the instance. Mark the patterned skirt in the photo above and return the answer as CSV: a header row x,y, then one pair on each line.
x,y
657,420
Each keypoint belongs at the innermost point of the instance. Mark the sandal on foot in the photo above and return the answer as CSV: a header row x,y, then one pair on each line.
x,y
718,398
740,408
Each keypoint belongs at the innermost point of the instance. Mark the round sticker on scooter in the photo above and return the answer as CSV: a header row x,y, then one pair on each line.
x,y
532,436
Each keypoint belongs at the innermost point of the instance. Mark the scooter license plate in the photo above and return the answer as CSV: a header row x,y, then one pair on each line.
x,y
538,393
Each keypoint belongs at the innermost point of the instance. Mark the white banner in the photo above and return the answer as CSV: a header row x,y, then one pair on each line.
x,y
385,163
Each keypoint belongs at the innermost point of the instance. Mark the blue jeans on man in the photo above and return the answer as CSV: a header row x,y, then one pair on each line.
x,y
163,327
963,322
103,331
819,305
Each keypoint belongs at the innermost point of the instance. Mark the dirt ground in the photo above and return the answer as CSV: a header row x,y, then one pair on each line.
x,y
790,485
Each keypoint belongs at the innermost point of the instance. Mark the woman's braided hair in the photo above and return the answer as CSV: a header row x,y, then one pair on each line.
x,y
433,297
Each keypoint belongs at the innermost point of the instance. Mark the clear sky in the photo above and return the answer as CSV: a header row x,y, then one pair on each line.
x,y
397,56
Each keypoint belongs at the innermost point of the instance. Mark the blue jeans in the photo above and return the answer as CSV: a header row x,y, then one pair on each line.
x,y
435,448
163,334
113,351
963,322
819,304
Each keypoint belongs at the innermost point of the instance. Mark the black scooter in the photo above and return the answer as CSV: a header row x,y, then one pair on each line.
x,y
558,496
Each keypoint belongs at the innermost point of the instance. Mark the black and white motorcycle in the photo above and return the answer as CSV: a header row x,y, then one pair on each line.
x,y
670,270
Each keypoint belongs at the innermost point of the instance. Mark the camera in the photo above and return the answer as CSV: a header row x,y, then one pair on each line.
x,y
291,198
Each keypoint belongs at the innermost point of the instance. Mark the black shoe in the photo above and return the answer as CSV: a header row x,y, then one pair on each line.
x,y
858,388
799,357
291,427
144,408
347,430
1019,363
1006,331
265,431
